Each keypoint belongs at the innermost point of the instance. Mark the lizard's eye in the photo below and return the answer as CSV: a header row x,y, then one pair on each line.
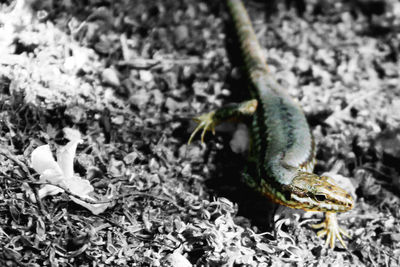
x,y
320,198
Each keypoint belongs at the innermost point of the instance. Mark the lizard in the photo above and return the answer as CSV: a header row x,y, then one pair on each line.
x,y
282,145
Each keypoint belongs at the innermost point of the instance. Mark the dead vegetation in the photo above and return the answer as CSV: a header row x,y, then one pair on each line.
x,y
128,74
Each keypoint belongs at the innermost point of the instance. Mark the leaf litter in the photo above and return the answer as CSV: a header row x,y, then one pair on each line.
x,y
125,74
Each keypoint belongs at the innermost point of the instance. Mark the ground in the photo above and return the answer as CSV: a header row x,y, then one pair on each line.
x,y
129,75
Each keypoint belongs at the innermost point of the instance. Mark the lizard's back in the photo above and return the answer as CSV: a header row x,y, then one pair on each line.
x,y
281,138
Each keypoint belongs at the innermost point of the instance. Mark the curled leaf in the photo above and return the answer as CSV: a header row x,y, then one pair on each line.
x,y
42,159
60,174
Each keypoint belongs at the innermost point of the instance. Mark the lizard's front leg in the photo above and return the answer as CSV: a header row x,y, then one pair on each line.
x,y
209,120
331,229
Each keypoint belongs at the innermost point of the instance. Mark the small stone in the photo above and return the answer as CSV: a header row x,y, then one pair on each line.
x,y
118,120
140,98
154,166
131,157
181,34
76,114
396,253
187,72
187,170
176,260
145,76
109,76
191,12
396,237
158,97
172,105
240,140
226,92
359,231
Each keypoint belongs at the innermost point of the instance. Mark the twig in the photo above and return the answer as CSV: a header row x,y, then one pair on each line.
x,y
116,224
25,169
23,166
360,98
66,190
124,47
134,194
148,63
338,114
140,194
39,201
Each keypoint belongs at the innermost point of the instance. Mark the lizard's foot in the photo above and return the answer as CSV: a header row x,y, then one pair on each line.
x,y
331,229
205,122
208,121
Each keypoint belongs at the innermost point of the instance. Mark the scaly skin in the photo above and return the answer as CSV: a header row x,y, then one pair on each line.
x,y
282,144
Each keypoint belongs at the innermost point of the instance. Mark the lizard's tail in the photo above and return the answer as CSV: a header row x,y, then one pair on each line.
x,y
251,50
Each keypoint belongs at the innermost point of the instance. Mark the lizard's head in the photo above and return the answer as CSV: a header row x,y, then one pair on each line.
x,y
309,191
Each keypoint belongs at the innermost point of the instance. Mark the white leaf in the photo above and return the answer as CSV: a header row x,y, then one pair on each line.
x,y
65,158
48,190
42,159
94,208
72,134
79,186
52,176
60,174
97,208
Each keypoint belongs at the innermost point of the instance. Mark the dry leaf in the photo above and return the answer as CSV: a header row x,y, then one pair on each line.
x,y
60,174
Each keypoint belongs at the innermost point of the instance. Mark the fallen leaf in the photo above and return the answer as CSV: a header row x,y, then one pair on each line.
x,y
60,174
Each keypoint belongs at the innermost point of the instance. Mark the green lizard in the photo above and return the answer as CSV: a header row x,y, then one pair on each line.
x,y
282,144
